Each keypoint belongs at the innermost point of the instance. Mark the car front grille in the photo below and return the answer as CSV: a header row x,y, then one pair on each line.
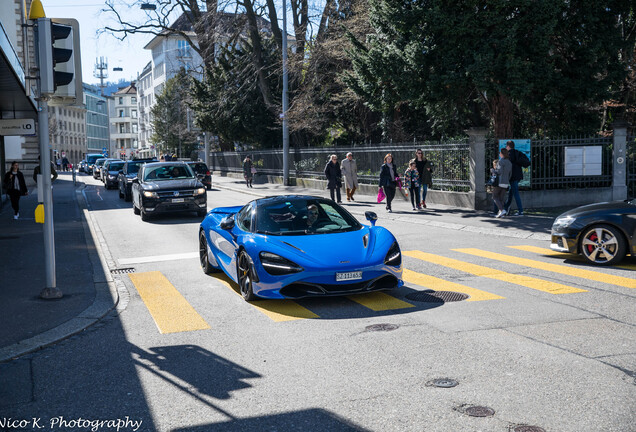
x,y
171,194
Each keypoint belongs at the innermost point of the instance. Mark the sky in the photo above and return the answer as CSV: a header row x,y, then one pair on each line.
x,y
127,54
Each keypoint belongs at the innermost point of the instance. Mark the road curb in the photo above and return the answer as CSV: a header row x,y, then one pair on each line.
x,y
501,232
109,293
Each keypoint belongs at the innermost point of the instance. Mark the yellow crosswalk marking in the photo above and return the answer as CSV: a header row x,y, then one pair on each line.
x,y
276,310
552,253
438,284
379,301
477,270
555,268
170,310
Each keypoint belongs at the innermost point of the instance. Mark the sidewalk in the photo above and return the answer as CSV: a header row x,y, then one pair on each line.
x,y
28,322
436,215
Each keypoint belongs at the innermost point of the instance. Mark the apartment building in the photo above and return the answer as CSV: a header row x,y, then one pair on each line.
x,y
97,130
145,100
67,132
123,113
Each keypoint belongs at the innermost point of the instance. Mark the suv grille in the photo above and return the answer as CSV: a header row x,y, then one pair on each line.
x,y
171,194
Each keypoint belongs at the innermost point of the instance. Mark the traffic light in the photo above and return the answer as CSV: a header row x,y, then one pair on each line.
x,y
59,60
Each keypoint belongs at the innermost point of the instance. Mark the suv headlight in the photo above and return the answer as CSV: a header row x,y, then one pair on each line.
x,y
149,194
393,256
199,191
276,265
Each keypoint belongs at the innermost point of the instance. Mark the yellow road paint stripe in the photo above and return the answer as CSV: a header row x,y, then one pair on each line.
x,y
276,310
477,270
379,301
555,268
170,310
552,253
438,284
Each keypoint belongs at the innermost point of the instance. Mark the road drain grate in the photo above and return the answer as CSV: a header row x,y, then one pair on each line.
x,y
479,411
437,296
381,327
526,428
123,270
442,382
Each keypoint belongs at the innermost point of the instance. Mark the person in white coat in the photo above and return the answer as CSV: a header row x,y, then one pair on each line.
x,y
350,172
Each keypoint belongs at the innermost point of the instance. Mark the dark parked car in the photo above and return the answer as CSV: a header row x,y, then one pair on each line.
x,y
603,233
81,166
202,172
110,171
103,169
167,187
97,166
90,161
127,174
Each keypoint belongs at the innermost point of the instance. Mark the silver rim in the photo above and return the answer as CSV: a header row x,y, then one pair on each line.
x,y
245,281
599,245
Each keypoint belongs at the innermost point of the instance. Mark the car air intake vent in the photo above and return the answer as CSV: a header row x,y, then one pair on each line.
x,y
365,240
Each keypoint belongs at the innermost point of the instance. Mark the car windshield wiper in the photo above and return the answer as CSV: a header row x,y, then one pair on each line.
x,y
267,232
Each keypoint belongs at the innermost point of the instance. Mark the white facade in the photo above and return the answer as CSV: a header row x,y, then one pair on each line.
x,y
67,132
123,113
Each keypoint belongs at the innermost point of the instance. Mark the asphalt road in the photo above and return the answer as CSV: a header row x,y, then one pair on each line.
x,y
543,341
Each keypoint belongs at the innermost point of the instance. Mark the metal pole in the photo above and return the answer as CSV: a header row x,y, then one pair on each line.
x,y
285,101
206,140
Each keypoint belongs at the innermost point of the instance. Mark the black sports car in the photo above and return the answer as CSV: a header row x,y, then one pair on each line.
x,y
167,187
603,233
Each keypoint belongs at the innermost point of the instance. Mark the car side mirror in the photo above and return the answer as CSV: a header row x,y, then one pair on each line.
x,y
371,217
227,223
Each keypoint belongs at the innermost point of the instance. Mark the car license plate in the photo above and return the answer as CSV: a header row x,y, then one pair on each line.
x,y
346,276
177,200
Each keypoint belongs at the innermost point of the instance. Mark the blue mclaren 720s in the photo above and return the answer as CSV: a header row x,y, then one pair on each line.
x,y
298,246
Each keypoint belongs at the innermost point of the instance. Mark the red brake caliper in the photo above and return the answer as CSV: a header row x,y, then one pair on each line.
x,y
593,238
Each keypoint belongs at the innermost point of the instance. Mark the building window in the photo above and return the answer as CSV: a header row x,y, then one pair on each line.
x,y
183,48
121,113
135,128
121,100
133,113
133,100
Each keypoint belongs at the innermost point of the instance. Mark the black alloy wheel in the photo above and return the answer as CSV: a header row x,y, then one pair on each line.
x,y
603,245
135,209
203,254
144,216
245,277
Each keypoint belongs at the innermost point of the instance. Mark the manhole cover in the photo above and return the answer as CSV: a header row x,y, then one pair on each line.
x,y
479,411
442,382
437,296
526,428
123,270
381,327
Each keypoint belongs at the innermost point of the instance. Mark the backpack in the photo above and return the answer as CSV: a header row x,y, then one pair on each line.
x,y
522,159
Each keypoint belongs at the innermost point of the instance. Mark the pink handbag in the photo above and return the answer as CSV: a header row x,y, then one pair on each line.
x,y
381,195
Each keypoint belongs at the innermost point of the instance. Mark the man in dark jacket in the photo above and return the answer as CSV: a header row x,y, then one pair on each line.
x,y
37,170
517,175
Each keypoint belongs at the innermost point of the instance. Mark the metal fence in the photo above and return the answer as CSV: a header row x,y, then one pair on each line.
x,y
631,166
450,160
547,169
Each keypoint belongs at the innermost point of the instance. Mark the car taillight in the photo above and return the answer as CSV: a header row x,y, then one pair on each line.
x,y
207,173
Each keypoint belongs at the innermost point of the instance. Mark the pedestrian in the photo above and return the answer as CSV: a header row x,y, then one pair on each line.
x,y
502,181
412,183
388,182
58,162
15,186
65,163
425,170
349,170
334,177
37,171
517,176
248,171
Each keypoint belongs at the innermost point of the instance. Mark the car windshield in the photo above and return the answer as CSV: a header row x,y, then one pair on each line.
x,y
300,216
115,166
92,158
168,172
133,167
100,162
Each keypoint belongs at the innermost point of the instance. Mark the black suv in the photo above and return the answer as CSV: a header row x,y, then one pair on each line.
x,y
110,171
127,174
167,187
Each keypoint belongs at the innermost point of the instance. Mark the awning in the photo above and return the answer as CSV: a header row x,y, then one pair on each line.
x,y
13,99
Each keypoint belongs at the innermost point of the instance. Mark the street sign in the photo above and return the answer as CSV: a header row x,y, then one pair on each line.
x,y
13,127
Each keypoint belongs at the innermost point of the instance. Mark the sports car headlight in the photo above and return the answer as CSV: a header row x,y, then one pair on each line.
x,y
394,256
565,221
149,194
276,265
199,191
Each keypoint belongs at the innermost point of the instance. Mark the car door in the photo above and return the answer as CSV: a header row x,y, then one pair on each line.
x,y
229,241
135,189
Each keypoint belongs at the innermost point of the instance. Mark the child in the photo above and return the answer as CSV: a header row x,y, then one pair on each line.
x,y
412,181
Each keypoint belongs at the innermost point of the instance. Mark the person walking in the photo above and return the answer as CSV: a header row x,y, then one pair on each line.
x,y
424,169
350,172
504,173
15,186
517,176
334,177
412,183
388,174
248,171
58,162
65,163
37,170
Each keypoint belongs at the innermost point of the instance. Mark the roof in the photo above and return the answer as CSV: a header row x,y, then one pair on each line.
x,y
131,89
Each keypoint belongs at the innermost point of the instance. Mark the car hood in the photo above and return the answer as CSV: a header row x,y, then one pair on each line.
x,y
604,207
344,249
172,184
